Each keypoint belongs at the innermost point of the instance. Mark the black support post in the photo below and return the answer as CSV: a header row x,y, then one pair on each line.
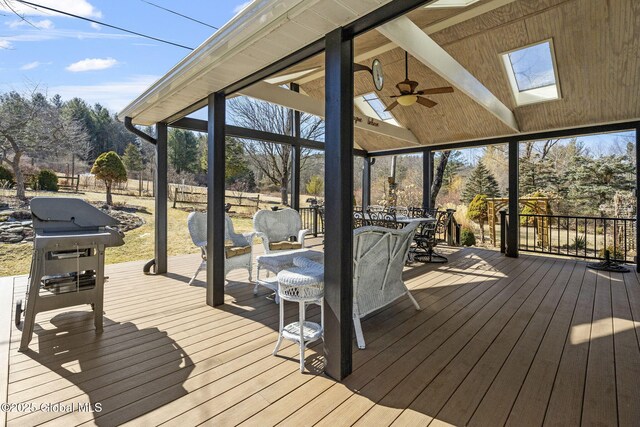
x,y
160,193
215,199
338,280
366,182
513,230
295,156
427,178
637,191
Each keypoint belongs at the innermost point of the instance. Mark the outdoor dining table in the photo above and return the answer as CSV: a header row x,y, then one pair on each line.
x,y
408,220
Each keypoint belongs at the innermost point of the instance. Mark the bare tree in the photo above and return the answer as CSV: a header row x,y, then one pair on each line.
x,y
31,125
273,160
20,127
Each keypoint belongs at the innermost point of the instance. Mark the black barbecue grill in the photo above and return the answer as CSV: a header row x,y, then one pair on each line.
x,y
67,266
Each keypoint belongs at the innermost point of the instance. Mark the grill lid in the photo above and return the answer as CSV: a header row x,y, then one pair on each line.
x,y
53,214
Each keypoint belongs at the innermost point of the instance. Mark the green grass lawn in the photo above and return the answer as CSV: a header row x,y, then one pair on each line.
x,y
139,243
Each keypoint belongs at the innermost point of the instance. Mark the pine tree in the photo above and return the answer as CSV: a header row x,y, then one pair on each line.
x,y
481,181
595,181
132,160
183,150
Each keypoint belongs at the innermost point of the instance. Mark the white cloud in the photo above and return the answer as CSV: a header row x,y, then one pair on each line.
x,y
5,44
45,24
92,64
96,27
77,7
241,6
113,95
31,65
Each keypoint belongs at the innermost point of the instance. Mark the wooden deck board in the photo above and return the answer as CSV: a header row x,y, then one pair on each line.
x,y
498,340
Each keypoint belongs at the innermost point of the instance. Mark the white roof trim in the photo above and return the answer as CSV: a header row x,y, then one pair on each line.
x,y
261,34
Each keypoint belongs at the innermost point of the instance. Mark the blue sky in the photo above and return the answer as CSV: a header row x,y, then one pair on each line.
x,y
76,58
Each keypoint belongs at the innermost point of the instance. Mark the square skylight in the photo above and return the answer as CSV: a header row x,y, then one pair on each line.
x,y
451,3
371,105
532,73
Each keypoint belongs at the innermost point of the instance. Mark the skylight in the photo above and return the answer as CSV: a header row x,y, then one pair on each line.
x,y
532,73
371,105
451,3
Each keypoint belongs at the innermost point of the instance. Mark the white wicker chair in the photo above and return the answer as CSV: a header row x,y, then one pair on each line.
x,y
379,255
277,227
238,247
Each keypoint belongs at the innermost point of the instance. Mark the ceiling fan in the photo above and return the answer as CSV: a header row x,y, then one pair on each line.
x,y
408,94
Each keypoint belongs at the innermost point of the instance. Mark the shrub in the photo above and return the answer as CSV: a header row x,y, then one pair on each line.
x,y
6,176
467,238
617,254
579,243
478,212
45,180
109,168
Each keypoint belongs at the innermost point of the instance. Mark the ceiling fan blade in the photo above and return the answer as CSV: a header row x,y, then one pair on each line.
x,y
426,102
436,90
393,105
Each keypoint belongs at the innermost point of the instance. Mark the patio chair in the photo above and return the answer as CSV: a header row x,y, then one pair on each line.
x,y
238,247
280,230
386,219
379,255
426,239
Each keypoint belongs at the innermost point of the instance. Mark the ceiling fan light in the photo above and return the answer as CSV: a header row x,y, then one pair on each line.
x,y
407,100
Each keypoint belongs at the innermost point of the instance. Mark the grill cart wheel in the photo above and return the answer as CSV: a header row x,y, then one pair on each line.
x,y
18,318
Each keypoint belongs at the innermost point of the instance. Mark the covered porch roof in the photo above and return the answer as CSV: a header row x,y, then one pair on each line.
x,y
594,45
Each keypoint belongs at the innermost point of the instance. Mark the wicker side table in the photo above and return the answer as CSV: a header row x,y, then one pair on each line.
x,y
303,284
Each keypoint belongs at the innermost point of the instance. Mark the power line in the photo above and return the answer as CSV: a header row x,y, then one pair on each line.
x,y
179,14
35,6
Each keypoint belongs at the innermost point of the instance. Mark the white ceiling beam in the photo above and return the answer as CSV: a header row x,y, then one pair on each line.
x,y
403,32
297,101
429,29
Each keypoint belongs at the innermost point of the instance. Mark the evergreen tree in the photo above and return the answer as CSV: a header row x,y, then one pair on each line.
x,y
315,186
478,212
595,181
183,150
236,169
481,181
108,167
132,160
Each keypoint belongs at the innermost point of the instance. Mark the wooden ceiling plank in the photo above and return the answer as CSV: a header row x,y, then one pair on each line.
x,y
411,38
430,29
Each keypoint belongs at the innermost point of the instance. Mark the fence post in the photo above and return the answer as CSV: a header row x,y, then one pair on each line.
x,y
175,197
503,231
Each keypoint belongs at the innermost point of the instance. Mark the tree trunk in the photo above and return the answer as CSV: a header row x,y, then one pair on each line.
x,y
17,173
109,198
284,187
438,177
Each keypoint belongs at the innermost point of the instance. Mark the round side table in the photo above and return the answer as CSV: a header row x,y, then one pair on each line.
x,y
305,285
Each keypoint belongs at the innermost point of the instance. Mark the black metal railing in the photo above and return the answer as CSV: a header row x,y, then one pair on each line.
x,y
312,218
578,236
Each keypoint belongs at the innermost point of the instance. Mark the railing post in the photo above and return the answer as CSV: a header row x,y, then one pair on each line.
x,y
315,220
514,231
450,226
503,231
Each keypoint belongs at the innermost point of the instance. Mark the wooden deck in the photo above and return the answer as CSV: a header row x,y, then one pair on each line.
x,y
526,341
